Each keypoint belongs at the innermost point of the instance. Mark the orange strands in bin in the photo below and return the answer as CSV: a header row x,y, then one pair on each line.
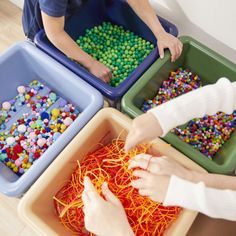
x,y
110,163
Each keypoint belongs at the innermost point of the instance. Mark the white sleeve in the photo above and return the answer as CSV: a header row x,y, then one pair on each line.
x,y
207,100
215,203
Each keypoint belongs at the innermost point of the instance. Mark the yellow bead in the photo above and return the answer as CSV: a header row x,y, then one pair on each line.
x,y
27,96
55,112
28,165
63,127
15,169
55,130
13,165
8,164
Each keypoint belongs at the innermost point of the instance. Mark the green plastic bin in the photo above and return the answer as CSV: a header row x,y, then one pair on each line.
x,y
210,66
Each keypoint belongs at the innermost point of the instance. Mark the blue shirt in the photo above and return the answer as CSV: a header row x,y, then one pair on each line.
x,y
32,20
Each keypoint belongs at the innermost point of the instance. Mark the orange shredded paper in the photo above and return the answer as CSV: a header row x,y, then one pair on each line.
x,y
110,163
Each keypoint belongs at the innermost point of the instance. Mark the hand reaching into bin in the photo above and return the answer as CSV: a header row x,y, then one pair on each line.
x,y
100,70
104,217
54,28
164,40
144,128
168,181
154,176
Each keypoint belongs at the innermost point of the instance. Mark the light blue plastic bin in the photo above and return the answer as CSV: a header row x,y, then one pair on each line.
x,y
21,64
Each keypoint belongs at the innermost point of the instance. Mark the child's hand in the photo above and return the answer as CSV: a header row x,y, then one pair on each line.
x,y
100,70
144,128
166,40
154,178
104,217
160,166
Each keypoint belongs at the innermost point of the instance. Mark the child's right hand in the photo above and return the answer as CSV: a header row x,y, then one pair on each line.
x,y
153,179
144,128
100,70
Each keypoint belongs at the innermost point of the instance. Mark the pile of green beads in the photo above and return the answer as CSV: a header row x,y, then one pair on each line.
x,y
119,49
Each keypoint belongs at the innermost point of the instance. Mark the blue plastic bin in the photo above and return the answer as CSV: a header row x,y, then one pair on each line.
x,y
93,13
23,63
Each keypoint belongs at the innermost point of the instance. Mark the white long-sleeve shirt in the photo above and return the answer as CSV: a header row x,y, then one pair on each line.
x,y
207,100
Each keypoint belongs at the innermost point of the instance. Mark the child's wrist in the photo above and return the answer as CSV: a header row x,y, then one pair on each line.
x,y
88,62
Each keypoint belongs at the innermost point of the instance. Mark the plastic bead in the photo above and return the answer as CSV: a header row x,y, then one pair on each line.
x,y
21,89
6,106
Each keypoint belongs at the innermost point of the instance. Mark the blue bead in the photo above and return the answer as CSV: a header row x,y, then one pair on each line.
x,y
47,129
44,115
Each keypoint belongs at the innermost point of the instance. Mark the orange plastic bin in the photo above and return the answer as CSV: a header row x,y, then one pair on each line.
x,y
36,208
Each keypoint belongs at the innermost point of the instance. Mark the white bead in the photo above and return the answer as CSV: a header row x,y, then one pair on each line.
x,y
21,128
10,140
21,89
6,106
68,121
41,142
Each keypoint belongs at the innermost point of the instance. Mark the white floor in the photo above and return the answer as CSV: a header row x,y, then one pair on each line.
x,y
10,223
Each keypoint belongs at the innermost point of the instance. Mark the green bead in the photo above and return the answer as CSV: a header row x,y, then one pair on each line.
x,y
118,49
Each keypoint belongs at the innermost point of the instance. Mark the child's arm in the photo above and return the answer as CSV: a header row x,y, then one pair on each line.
x,y
54,28
165,180
144,10
158,121
216,203
207,100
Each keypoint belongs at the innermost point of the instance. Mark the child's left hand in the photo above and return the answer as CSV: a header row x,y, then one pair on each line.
x,y
104,217
154,179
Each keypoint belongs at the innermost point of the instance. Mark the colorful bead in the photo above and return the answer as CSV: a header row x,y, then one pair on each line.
x,y
30,136
6,106
21,89
207,134
10,140
68,121
21,128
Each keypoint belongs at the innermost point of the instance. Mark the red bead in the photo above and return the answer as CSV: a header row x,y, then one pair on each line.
x,y
14,157
73,117
17,149
31,94
22,138
8,151
36,155
37,132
